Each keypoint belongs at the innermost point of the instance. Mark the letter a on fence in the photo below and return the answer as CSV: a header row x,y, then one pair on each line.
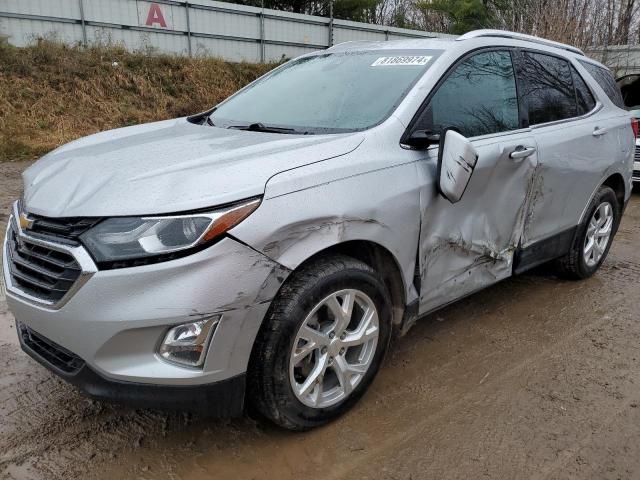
x,y
155,16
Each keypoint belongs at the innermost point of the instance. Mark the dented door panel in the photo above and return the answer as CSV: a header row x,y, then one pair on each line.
x,y
471,244
572,162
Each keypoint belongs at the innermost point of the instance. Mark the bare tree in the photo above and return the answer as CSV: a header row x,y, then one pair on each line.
x,y
585,23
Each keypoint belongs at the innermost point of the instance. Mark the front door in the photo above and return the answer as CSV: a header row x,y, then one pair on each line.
x,y
471,244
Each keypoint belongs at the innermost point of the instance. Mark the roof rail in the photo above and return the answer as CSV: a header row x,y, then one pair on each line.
x,y
519,36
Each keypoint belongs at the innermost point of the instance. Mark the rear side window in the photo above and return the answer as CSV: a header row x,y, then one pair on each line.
x,y
477,98
584,97
606,81
547,88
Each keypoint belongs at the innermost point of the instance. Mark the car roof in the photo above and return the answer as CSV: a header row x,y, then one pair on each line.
x,y
468,41
405,44
444,43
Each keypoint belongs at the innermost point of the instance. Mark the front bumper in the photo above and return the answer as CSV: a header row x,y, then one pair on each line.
x,y
223,399
116,319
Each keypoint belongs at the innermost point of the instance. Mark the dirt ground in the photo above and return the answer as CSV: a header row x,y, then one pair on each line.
x,y
533,378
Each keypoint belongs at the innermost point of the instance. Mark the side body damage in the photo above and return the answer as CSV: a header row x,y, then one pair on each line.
x,y
365,201
442,251
471,244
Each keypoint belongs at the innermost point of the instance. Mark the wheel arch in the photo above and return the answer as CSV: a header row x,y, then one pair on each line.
x,y
613,180
617,184
377,257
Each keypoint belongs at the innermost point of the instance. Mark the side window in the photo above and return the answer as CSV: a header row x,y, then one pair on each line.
x,y
585,99
478,97
606,81
547,88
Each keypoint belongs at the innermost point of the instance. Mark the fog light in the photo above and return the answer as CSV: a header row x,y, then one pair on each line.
x,y
187,344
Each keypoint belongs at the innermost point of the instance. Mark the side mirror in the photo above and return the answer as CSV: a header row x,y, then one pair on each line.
x,y
422,139
457,158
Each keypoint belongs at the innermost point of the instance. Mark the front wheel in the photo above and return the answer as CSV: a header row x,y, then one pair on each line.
x,y
321,344
593,237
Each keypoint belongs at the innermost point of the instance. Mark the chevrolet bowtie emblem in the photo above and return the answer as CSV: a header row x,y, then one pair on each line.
x,y
25,222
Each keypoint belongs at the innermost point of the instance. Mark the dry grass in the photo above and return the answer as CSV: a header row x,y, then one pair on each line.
x,y
51,94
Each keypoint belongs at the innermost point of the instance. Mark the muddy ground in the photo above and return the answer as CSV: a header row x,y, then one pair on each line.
x,y
533,378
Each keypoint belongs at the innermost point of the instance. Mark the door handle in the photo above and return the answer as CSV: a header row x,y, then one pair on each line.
x,y
522,152
598,132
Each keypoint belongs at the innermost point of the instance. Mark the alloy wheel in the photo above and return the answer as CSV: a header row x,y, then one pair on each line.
x,y
334,348
598,233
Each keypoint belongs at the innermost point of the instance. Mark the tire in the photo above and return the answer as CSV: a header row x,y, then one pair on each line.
x,y
273,370
573,265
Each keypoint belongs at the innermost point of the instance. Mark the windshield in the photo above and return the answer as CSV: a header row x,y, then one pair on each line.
x,y
327,93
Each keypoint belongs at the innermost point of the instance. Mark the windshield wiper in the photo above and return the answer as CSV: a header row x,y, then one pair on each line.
x,y
261,127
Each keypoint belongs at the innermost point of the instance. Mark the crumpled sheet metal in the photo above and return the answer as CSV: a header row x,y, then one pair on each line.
x,y
462,247
469,245
380,207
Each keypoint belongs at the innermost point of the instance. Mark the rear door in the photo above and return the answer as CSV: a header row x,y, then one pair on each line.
x,y
576,144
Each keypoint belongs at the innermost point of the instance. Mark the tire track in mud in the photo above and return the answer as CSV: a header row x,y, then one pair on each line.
x,y
616,333
522,374
49,430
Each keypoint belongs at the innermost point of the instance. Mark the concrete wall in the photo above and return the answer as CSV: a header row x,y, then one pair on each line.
x,y
621,59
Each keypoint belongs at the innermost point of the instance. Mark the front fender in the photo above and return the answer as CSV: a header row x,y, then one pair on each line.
x,y
380,206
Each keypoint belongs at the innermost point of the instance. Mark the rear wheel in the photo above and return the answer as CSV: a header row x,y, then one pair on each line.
x,y
321,343
593,237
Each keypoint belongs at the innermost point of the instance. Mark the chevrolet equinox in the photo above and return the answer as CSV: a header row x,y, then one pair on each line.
x,y
262,253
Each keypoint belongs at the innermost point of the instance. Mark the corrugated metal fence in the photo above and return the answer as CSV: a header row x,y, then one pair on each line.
x,y
194,27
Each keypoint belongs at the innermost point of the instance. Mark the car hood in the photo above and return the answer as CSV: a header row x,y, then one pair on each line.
x,y
168,166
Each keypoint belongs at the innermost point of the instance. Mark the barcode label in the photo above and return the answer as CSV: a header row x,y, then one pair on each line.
x,y
414,61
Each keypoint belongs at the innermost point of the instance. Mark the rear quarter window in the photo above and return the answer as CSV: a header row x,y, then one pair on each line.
x,y
605,79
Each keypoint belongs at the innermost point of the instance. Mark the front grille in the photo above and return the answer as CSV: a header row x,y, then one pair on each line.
x,y
53,353
636,155
68,229
39,271
636,174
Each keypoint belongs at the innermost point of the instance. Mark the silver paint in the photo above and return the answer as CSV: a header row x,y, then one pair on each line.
x,y
167,167
318,192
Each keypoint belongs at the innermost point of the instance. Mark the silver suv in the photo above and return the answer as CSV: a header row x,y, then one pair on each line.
x,y
265,251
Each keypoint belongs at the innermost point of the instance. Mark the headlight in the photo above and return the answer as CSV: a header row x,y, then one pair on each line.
x,y
128,238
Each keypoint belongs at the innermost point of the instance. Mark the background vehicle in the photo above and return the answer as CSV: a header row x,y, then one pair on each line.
x,y
272,244
630,89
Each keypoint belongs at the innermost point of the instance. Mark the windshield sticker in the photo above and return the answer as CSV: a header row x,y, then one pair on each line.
x,y
411,60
